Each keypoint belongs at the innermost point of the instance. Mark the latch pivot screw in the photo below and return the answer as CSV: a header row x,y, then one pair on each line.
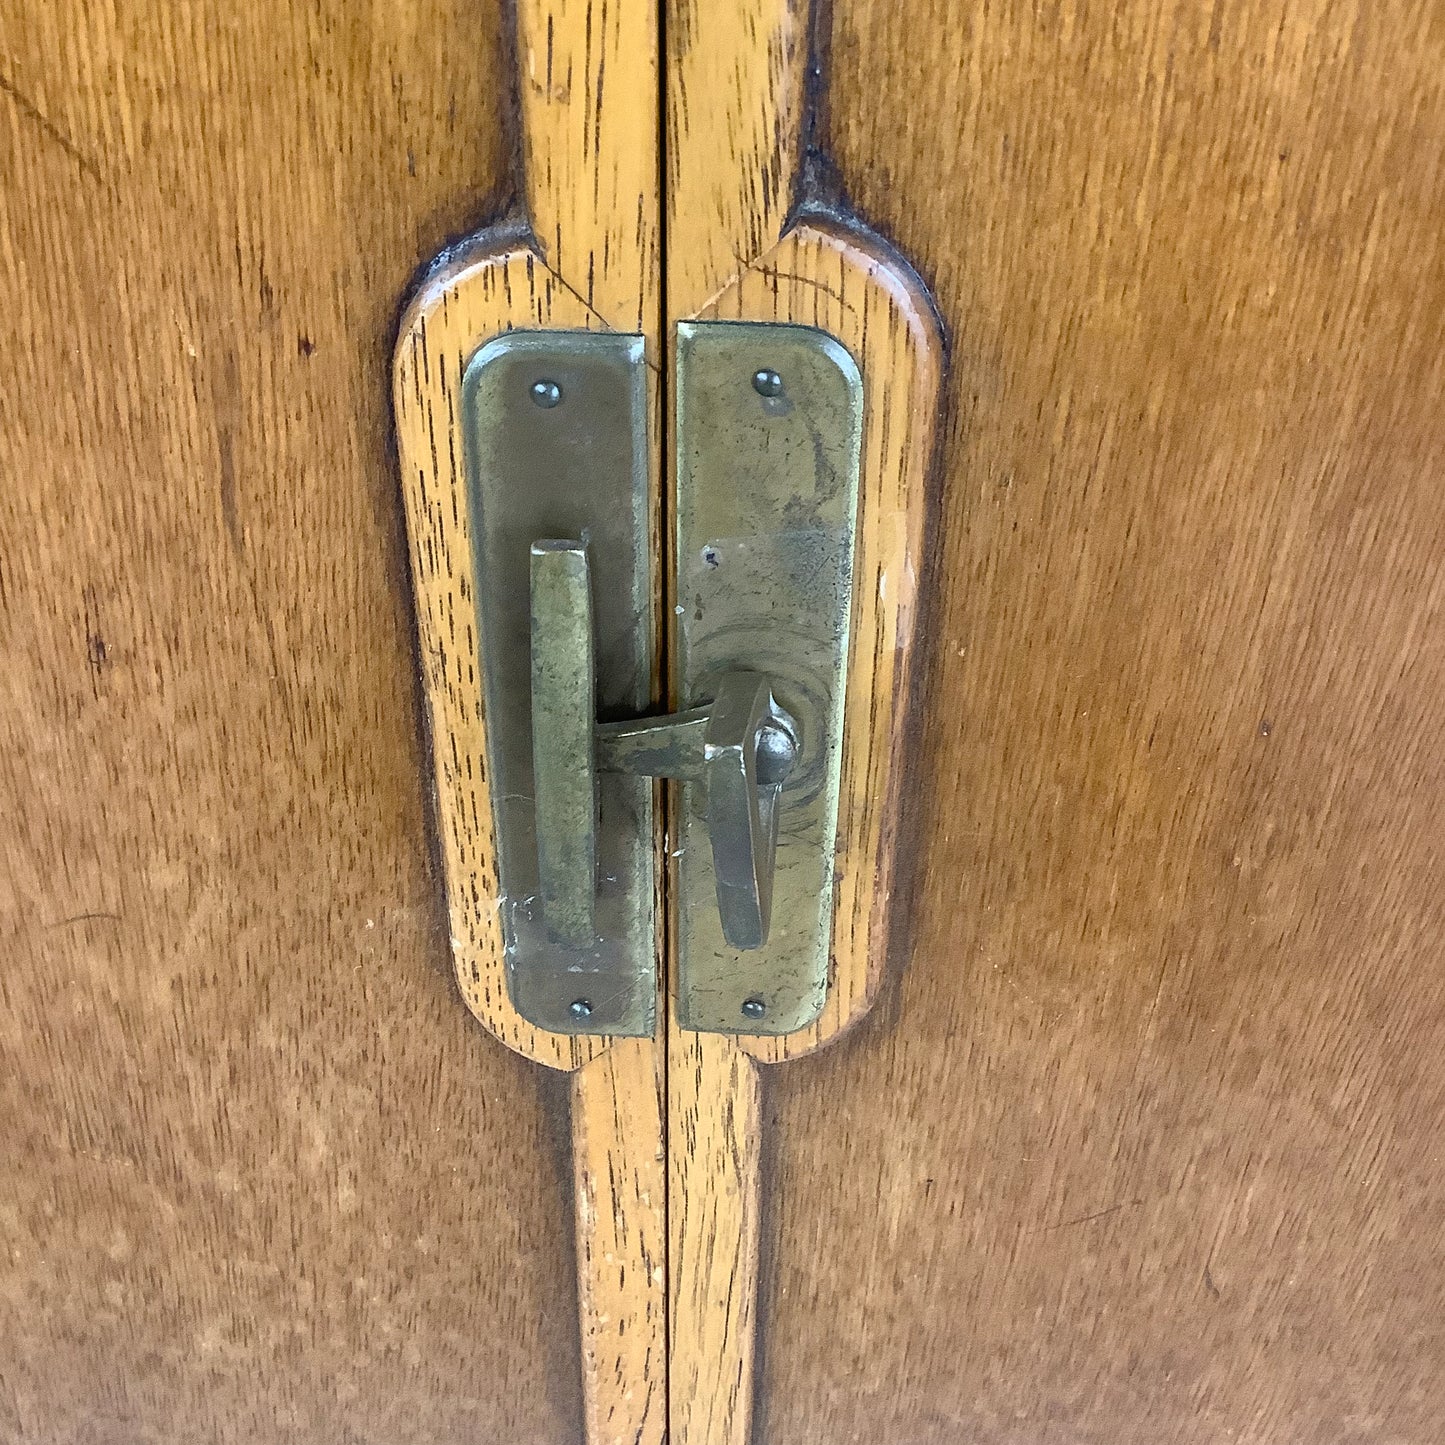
x,y
767,383
546,394
580,1008
754,1008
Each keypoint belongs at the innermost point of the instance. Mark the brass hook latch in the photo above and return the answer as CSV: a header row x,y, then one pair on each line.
x,y
739,748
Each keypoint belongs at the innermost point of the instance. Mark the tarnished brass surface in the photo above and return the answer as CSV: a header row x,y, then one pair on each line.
x,y
768,439
557,448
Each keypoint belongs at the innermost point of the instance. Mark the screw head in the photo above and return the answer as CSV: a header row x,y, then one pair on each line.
x,y
545,393
580,1008
754,1008
767,382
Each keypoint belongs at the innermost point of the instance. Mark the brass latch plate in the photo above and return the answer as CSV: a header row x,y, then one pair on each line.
x,y
556,440
769,421
768,438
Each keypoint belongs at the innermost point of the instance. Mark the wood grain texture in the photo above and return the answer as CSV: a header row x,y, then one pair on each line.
x,y
496,282
714,1143
586,257
848,284
735,110
486,289
589,76
620,1161
618,1154
262,1179
820,274
734,101
1143,1144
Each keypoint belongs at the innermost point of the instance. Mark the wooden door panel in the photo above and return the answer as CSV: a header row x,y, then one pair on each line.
x,y
264,1177
1141,1146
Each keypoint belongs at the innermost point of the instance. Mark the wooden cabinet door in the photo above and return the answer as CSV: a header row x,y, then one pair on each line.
x,y
1142,1142
1138,1141
261,1179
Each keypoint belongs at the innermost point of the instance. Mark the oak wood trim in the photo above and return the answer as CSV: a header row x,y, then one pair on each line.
x,y
621,1214
474,298
824,274
588,81
714,1212
591,261
850,285
735,107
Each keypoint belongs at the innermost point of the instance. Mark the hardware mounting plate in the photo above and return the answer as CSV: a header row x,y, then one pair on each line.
x,y
556,443
769,432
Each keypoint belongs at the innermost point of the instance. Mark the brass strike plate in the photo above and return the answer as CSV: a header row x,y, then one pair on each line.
x,y
769,421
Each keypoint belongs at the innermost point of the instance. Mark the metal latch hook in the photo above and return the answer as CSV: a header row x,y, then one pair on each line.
x,y
741,747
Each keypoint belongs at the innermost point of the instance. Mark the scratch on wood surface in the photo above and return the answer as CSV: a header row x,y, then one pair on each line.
x,y
48,127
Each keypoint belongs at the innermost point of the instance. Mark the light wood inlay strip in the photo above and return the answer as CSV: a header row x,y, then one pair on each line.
x,y
617,1119
496,284
714,1118
735,106
850,286
589,77
473,300
621,1212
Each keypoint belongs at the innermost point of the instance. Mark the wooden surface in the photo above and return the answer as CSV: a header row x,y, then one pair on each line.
x,y
584,255
501,279
737,122
818,275
262,1178
620,1162
736,128
1140,1147
487,288
588,77
1143,1145
713,1225
849,285
733,84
